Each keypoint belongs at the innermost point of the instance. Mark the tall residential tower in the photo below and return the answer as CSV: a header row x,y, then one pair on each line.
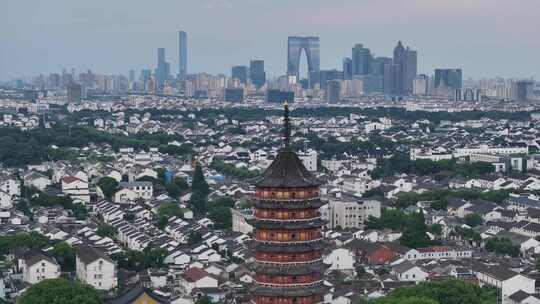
x,y
182,55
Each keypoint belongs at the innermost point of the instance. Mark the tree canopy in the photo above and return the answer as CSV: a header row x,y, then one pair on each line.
x,y
136,260
59,291
65,255
503,246
199,190
166,211
450,291
473,220
106,230
220,212
108,186
415,234
32,240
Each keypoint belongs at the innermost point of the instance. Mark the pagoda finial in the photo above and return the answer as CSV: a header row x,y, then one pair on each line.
x,y
286,125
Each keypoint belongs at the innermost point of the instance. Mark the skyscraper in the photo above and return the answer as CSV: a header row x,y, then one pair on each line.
x,y
131,75
347,68
239,72
361,60
162,70
406,59
145,74
448,78
74,92
333,91
288,242
421,85
182,55
524,90
278,96
391,78
257,75
327,75
310,45
234,95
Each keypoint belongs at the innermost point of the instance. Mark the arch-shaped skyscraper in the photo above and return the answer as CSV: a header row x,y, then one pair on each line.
x,y
310,45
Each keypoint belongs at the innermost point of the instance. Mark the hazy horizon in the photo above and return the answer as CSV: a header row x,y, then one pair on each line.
x,y
486,38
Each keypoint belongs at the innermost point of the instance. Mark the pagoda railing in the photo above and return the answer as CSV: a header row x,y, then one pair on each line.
x,y
285,200
311,262
312,284
288,220
290,242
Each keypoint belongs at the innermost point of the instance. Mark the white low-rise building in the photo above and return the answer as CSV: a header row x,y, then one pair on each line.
x,y
341,259
95,268
144,190
508,281
76,188
351,213
37,266
438,252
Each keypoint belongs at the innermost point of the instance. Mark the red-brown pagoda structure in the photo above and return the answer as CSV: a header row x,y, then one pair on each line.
x,y
288,241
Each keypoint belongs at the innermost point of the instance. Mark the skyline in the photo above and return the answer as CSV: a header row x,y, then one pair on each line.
x,y
449,34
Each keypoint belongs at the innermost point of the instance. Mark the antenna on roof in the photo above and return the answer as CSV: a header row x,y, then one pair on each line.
x,y
286,125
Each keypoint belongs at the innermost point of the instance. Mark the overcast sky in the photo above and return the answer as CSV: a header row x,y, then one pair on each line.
x,y
486,38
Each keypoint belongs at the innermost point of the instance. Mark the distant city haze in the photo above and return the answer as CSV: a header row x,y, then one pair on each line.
x,y
486,38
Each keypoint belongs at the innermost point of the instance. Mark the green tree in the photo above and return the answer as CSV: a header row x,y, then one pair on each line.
x,y
450,291
137,261
32,240
153,257
199,190
415,235
199,184
435,229
65,255
166,211
59,291
106,230
406,300
194,238
203,300
503,246
108,186
473,220
392,219
176,186
221,215
220,212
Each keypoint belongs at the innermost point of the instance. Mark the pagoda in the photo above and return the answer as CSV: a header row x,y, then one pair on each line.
x,y
288,242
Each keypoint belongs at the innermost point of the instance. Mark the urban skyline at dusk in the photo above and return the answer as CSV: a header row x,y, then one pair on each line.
x,y
270,152
82,36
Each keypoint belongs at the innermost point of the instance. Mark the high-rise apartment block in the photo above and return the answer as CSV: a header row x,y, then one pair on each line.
x,y
74,92
182,55
257,75
240,72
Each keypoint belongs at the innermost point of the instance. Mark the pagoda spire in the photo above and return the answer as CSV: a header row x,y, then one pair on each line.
x,y
286,125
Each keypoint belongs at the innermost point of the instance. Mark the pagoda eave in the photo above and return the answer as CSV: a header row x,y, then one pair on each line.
x,y
291,270
301,291
288,247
